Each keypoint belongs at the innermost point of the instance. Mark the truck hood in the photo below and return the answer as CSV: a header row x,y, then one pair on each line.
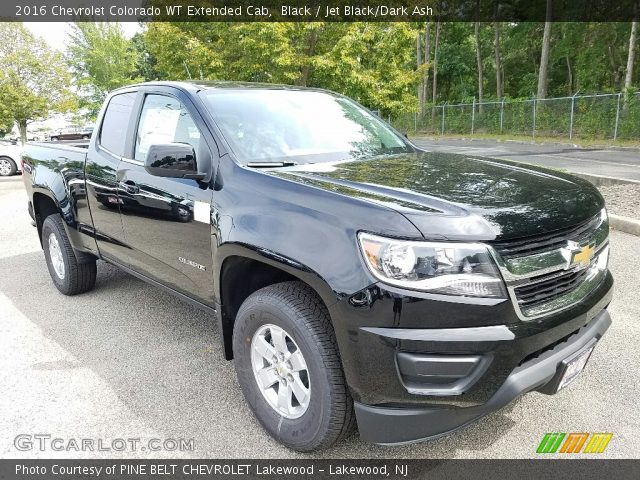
x,y
458,197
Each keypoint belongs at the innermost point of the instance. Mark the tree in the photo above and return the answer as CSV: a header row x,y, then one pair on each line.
x,y
101,59
146,61
371,62
435,70
33,78
178,51
544,55
498,60
392,66
427,63
6,115
479,62
419,65
423,63
633,37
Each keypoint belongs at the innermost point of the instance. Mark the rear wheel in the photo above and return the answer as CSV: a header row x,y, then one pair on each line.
x,y
69,275
7,167
289,369
54,139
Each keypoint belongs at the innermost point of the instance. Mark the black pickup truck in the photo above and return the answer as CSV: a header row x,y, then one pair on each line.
x,y
354,278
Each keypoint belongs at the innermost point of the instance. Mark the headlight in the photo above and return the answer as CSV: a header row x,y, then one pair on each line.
x,y
435,267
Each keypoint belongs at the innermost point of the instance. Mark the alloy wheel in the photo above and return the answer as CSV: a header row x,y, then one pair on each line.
x,y
5,167
55,254
280,371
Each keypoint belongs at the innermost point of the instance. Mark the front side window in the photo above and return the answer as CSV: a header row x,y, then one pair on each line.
x,y
113,133
164,120
302,126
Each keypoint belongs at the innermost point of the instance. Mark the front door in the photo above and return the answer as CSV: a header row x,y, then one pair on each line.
x,y
166,221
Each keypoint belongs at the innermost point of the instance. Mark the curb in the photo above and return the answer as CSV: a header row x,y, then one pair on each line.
x,y
605,181
624,224
595,146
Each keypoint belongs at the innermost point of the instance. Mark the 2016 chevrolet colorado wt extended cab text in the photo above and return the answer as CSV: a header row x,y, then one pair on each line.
x,y
353,277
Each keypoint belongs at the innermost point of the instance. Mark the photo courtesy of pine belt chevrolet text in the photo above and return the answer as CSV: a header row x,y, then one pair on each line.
x,y
356,280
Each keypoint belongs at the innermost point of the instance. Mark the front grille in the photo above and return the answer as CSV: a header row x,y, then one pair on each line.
x,y
548,287
547,241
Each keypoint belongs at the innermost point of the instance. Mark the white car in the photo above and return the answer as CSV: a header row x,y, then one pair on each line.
x,y
9,159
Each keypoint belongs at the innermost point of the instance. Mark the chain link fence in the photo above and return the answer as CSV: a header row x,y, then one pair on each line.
x,y
613,116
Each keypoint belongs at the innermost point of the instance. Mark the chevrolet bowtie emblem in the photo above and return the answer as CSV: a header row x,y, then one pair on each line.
x,y
582,256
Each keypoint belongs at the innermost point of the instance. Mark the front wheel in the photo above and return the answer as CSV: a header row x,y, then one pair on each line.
x,y
68,274
7,167
289,368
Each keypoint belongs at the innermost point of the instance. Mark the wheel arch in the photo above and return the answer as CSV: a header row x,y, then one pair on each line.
x,y
4,155
242,270
44,205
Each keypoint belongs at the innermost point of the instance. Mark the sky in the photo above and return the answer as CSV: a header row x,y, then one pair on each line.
x,y
56,34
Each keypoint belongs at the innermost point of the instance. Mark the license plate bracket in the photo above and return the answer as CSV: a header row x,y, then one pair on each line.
x,y
572,366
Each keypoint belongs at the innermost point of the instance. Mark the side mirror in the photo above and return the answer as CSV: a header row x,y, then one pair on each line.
x,y
173,160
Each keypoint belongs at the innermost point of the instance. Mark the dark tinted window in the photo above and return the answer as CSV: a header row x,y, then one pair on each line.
x,y
116,120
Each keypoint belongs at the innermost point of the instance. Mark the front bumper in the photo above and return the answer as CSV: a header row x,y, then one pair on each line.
x,y
406,425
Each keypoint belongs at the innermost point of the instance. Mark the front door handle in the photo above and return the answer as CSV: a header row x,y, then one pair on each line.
x,y
130,187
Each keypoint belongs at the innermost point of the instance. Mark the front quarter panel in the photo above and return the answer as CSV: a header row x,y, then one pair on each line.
x,y
305,226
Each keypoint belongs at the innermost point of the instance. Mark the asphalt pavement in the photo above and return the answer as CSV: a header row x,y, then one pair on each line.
x,y
620,163
128,361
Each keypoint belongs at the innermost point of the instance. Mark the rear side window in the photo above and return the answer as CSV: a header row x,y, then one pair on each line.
x,y
113,132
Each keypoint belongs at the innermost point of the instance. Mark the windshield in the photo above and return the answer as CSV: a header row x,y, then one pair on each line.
x,y
301,126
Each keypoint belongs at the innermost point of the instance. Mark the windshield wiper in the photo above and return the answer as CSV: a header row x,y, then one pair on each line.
x,y
270,164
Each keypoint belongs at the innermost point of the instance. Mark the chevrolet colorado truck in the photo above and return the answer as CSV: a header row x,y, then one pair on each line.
x,y
354,278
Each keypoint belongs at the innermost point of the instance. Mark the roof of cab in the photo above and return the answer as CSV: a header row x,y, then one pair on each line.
x,y
197,85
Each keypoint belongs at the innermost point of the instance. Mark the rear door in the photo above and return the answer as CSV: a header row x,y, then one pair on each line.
x,y
103,159
166,221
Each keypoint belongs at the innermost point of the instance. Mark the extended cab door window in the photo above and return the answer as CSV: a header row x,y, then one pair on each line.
x,y
113,132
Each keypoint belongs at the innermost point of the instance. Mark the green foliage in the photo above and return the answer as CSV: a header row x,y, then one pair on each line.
x,y
101,59
146,68
375,62
371,62
33,78
6,115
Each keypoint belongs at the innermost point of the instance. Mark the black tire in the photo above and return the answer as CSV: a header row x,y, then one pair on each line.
x,y
10,167
54,139
79,276
85,137
295,307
